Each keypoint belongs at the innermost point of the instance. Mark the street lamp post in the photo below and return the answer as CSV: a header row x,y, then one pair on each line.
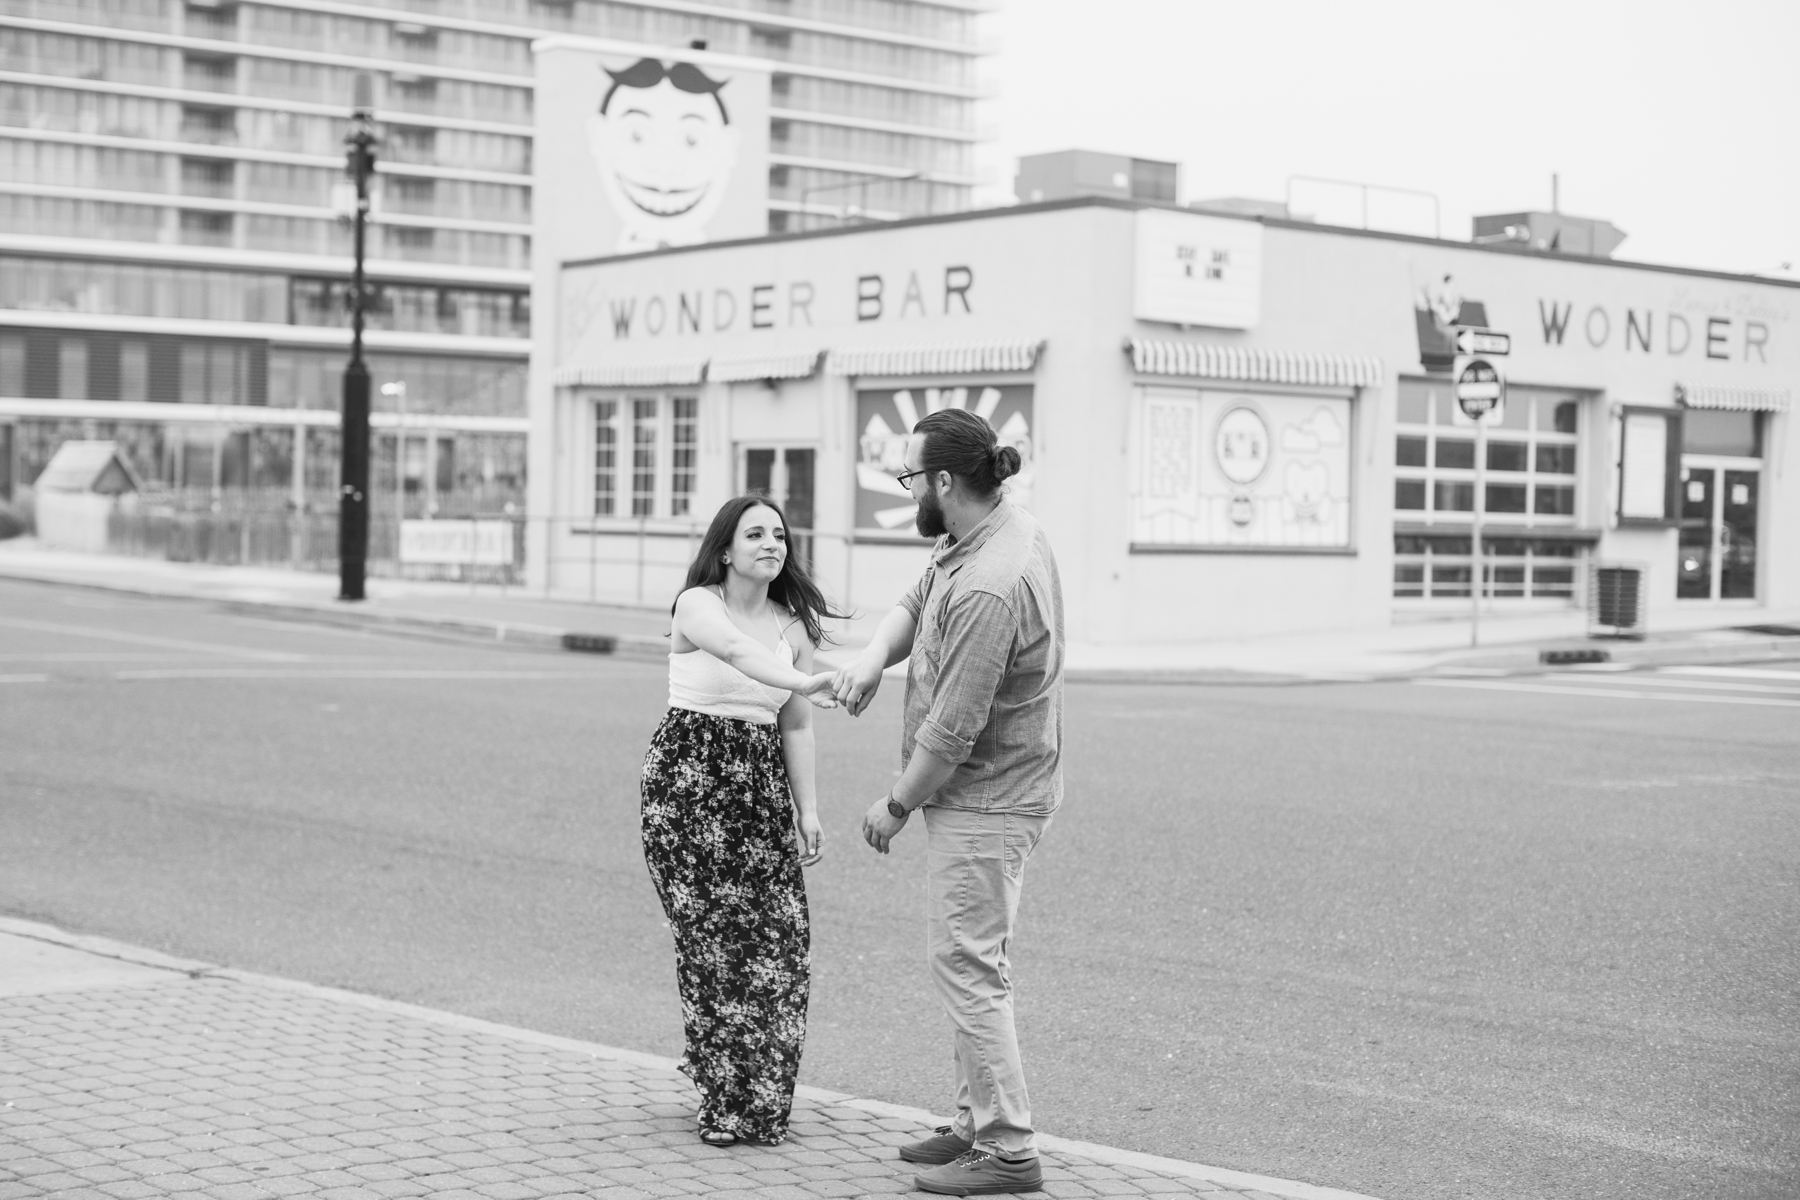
x,y
353,497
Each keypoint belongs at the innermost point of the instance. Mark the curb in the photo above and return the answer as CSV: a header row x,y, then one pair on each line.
x,y
1644,654
195,969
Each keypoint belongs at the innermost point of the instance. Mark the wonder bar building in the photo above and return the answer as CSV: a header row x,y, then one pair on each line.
x,y
1230,425
173,274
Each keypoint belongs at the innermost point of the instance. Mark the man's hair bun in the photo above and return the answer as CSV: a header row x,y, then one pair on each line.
x,y
1005,462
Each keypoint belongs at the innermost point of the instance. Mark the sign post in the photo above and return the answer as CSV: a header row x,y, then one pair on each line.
x,y
1479,390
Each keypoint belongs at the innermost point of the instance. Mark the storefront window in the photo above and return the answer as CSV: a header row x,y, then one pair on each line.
x,y
683,440
1437,566
643,458
606,457
657,482
1532,452
1529,479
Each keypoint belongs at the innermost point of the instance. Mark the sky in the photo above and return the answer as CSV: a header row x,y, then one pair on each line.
x,y
1677,121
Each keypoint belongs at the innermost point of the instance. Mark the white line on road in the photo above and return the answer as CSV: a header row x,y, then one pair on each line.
x,y
350,674
1705,685
143,639
24,679
1735,672
1545,689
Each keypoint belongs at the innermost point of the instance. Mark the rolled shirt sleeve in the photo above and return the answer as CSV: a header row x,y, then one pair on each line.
x,y
974,652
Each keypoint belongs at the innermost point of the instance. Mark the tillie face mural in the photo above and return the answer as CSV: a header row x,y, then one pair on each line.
x,y
638,148
665,149
884,426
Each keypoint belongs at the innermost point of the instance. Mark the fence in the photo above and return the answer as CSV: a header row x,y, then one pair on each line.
x,y
639,562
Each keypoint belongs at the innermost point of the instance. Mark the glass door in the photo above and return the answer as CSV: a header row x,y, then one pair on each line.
x,y
1716,552
785,475
1694,575
1737,534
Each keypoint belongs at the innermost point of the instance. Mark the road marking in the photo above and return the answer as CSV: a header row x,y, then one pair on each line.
x,y
143,639
1702,684
349,674
1544,689
1734,672
24,679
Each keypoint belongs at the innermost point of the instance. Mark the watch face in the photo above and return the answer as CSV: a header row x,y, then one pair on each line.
x,y
895,809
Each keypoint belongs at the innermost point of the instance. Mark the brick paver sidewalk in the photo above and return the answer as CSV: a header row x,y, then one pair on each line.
x,y
169,1081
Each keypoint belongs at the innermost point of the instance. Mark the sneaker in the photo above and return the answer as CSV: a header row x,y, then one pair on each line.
x,y
979,1173
942,1147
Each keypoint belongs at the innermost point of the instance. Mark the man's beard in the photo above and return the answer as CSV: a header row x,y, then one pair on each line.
x,y
930,518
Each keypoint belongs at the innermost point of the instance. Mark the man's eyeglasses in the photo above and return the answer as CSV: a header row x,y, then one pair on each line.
x,y
905,480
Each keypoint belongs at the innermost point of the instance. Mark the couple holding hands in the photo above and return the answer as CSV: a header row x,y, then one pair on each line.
x,y
729,779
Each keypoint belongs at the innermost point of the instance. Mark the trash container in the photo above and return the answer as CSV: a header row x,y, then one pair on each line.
x,y
1616,601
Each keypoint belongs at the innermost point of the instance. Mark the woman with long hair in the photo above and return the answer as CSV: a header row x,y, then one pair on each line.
x,y
727,784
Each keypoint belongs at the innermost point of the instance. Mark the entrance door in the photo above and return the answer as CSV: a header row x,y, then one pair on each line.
x,y
785,475
1717,546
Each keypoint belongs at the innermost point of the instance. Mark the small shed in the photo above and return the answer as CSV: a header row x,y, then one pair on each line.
x,y
80,487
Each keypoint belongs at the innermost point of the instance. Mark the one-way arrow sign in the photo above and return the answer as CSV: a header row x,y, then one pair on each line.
x,y
1470,340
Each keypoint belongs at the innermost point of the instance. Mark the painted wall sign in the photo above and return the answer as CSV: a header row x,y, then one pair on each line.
x,y
884,423
846,297
634,151
1194,269
1223,469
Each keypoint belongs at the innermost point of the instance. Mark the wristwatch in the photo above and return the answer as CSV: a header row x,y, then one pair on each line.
x,y
894,809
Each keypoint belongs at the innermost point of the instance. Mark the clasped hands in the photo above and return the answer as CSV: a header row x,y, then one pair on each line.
x,y
852,686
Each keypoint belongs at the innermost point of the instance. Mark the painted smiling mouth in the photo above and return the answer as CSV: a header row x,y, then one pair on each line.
x,y
662,202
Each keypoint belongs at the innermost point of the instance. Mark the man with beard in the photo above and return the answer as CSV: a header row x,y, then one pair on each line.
x,y
982,752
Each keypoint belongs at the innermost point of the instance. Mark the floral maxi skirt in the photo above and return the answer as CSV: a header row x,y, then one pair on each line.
x,y
720,844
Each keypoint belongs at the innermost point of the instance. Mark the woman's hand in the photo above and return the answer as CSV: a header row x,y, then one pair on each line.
x,y
812,838
819,691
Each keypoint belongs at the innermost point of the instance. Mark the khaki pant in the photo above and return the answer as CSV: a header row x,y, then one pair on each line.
x,y
975,864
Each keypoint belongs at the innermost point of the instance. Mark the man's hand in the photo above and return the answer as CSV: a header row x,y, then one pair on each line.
x,y
856,683
880,825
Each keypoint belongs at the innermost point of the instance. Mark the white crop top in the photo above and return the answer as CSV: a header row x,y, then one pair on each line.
x,y
704,684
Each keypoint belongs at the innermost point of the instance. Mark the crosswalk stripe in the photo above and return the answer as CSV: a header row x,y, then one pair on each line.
x,y
24,679
1495,685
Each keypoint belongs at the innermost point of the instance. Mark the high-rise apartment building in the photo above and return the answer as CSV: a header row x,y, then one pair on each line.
x,y
173,274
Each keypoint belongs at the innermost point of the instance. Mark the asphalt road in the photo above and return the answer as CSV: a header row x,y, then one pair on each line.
x,y
1415,941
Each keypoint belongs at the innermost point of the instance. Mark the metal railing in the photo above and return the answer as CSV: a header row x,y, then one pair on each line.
x,y
637,562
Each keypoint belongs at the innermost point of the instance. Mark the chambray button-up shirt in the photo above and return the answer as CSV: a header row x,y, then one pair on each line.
x,y
984,686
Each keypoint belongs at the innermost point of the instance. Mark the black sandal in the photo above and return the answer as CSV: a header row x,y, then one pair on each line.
x,y
718,1137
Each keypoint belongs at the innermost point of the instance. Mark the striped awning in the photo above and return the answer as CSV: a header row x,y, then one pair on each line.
x,y
801,365
686,371
937,360
1735,399
1208,361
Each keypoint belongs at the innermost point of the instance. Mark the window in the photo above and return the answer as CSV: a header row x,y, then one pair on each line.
x,y
683,441
72,369
606,457
205,228
643,458
12,365
659,482
134,371
1437,566
206,176
1530,467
